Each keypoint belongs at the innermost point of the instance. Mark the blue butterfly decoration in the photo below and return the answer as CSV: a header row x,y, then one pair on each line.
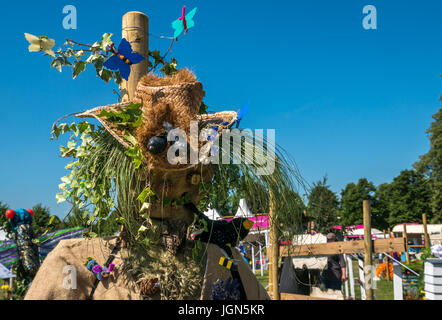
x,y
123,58
244,110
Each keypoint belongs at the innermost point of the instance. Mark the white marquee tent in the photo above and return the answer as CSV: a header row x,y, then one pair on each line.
x,y
243,210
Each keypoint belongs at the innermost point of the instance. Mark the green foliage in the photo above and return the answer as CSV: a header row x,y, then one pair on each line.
x,y
352,198
129,117
430,165
4,222
78,56
404,199
126,120
323,206
84,185
72,54
232,182
105,227
224,191
40,220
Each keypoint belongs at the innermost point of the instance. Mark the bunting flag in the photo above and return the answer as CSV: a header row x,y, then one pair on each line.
x,y
8,249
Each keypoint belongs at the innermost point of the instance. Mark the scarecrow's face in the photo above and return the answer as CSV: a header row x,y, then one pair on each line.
x,y
176,187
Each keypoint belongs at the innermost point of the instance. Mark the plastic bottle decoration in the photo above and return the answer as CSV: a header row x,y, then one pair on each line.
x,y
122,59
21,222
99,271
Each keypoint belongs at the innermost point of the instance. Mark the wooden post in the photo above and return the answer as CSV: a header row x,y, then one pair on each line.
x,y
274,242
407,254
270,267
368,250
136,31
427,238
387,262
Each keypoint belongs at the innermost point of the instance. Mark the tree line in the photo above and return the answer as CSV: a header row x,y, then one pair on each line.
x,y
413,192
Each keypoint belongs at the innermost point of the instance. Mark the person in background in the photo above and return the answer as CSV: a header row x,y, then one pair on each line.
x,y
335,271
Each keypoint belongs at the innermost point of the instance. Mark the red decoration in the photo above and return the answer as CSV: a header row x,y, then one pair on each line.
x,y
10,214
183,18
31,212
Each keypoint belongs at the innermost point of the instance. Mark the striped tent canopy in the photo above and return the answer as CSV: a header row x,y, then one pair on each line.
x,y
8,249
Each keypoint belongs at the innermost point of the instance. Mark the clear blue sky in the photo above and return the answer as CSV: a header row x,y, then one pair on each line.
x,y
344,101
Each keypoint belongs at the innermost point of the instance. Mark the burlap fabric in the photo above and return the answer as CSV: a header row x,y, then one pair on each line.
x,y
49,283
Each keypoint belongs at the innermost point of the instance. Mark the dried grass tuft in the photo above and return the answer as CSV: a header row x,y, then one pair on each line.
x,y
179,77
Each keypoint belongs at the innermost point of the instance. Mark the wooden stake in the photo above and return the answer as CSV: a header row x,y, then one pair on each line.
x,y
407,254
427,238
274,241
387,261
136,31
368,250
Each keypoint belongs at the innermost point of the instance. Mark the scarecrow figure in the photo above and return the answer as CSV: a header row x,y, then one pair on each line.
x,y
21,222
172,266
151,162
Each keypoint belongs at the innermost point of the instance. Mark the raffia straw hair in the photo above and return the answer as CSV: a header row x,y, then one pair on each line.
x,y
179,77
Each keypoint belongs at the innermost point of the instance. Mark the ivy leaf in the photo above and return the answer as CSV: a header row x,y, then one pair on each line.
x,y
130,138
83,126
79,54
79,67
57,63
61,197
106,41
74,129
145,194
117,77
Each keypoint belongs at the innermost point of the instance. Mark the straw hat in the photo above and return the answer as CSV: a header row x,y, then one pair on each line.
x,y
175,100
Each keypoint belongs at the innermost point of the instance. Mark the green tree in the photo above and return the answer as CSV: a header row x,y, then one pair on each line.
x,y
430,165
352,198
405,198
4,222
41,218
80,218
380,213
323,206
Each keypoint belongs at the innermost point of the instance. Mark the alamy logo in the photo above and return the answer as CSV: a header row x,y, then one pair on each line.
x,y
370,21
238,146
70,21
70,279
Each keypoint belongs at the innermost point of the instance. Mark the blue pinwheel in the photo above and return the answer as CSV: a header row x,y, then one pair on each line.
x,y
244,110
123,58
